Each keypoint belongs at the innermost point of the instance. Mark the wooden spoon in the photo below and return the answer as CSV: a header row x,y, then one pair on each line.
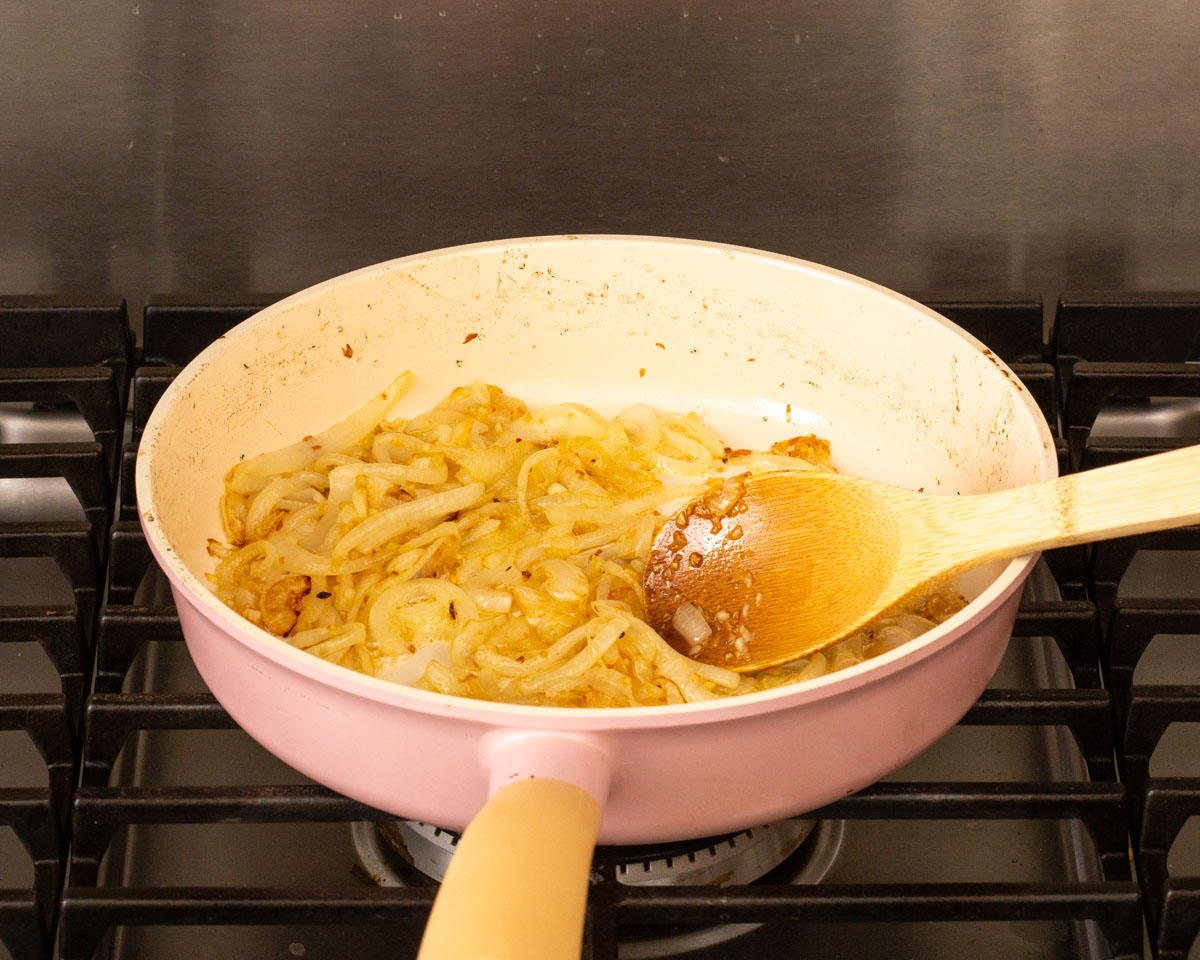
x,y
806,558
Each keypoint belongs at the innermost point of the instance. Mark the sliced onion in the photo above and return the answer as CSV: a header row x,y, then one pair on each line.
x,y
484,589
386,524
247,483
391,447
557,512
771,462
814,666
492,601
687,430
482,529
486,464
602,637
411,669
307,638
642,424
689,622
340,436
507,615
265,502
562,421
419,612
563,539
564,581
340,640
425,470
724,499
891,636
299,560
343,488
523,475
666,656
697,464
510,667
359,424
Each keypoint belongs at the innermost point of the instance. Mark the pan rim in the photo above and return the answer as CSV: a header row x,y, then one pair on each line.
x,y
284,655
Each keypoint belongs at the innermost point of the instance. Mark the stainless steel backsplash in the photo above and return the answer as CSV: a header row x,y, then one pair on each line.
x,y
178,147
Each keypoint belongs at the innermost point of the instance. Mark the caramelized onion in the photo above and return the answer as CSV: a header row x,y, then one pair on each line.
x,y
479,550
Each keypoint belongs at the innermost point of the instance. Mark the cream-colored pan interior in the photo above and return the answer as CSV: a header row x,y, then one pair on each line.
x,y
762,346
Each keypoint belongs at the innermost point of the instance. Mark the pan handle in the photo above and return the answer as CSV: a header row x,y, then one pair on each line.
x,y
517,886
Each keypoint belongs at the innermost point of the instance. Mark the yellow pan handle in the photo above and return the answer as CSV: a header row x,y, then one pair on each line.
x,y
517,886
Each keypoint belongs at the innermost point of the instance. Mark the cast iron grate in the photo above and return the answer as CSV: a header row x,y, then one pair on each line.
x,y
1126,355
74,359
1127,350
1065,378
103,810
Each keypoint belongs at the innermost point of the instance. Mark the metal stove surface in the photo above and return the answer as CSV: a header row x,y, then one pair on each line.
x,y
176,835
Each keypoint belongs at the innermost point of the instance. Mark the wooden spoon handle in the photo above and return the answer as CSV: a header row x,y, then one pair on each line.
x,y
517,886
1138,496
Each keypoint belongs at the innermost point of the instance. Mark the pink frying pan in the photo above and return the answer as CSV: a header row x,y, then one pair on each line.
x,y
764,347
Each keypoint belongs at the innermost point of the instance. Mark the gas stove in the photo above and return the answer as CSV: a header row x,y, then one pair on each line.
x,y
136,821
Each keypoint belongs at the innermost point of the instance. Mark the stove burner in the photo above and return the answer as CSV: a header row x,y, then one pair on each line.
x,y
409,853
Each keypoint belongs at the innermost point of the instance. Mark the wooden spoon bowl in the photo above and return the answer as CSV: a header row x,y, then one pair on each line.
x,y
803,559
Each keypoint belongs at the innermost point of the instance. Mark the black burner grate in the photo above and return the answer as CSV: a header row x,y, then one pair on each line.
x,y
1127,354
1072,369
73,357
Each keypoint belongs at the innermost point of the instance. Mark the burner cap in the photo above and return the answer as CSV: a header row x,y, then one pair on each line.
x,y
409,853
